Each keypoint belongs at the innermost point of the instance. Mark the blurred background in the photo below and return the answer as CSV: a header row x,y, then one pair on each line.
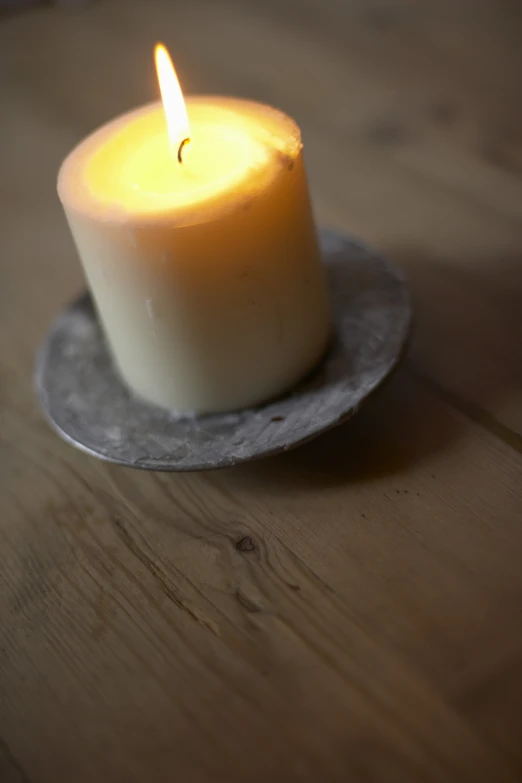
x,y
412,124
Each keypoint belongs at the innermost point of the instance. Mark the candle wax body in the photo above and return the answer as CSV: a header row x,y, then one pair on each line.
x,y
206,275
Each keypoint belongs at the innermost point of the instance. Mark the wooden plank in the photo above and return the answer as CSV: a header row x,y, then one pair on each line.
x,y
133,600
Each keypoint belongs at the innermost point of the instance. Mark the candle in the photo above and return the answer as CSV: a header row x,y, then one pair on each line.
x,y
194,228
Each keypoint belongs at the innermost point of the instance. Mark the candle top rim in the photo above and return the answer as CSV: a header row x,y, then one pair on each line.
x,y
273,130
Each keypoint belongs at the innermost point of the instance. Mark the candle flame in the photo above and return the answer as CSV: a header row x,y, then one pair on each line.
x,y
173,104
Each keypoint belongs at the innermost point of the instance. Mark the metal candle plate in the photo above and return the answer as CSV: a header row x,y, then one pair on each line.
x,y
87,403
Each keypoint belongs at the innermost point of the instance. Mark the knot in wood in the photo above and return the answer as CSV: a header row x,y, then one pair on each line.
x,y
245,544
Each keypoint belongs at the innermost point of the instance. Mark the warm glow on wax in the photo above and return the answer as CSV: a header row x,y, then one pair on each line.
x,y
204,268
173,103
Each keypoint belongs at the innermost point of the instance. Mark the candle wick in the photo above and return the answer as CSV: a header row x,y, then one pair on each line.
x,y
180,149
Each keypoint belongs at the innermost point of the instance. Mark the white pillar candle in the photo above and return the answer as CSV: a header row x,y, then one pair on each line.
x,y
205,273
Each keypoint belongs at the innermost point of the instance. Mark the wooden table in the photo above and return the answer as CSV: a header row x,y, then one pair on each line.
x,y
348,612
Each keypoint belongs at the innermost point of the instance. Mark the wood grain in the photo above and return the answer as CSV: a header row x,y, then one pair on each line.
x,y
349,611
